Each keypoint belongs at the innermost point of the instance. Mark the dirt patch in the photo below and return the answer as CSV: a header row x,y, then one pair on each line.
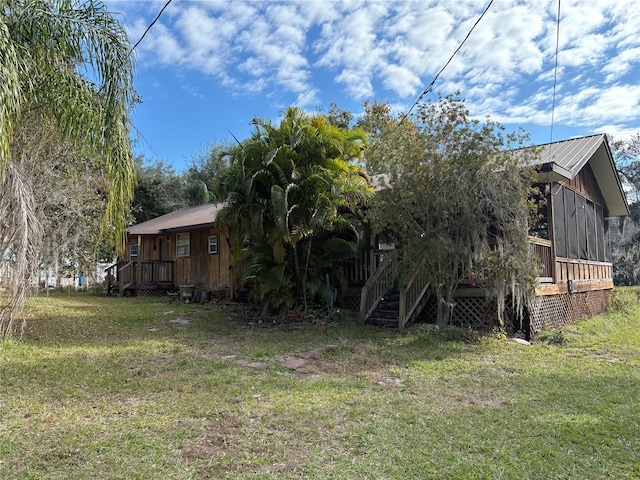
x,y
298,360
181,322
218,436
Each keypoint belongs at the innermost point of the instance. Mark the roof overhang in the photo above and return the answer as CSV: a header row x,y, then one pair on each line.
x,y
569,157
191,218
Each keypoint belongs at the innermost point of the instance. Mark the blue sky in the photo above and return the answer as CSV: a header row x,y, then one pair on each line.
x,y
207,68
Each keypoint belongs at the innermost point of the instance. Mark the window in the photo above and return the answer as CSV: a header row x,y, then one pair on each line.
x,y
385,242
133,252
540,227
182,245
581,230
213,243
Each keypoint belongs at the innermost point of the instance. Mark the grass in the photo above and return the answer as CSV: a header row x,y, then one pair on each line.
x,y
116,388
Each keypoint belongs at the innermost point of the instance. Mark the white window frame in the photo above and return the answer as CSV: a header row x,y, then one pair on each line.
x,y
213,244
133,252
183,245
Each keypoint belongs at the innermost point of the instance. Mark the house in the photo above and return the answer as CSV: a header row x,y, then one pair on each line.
x,y
181,248
582,191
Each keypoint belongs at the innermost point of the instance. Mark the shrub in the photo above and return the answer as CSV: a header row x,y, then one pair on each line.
x,y
624,300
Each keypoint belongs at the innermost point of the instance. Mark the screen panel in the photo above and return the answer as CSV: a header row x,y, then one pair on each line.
x,y
559,231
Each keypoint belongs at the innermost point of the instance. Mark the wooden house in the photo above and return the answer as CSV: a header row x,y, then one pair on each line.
x,y
182,248
582,192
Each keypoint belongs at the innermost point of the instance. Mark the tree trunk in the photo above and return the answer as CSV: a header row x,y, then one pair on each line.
x,y
306,273
445,306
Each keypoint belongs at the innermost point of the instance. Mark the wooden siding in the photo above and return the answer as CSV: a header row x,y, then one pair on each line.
x,y
202,268
585,275
206,270
586,185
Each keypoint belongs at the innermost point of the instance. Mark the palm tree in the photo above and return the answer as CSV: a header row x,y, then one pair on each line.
x,y
67,65
293,187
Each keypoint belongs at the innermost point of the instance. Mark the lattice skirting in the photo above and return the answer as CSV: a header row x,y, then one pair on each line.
x,y
556,311
479,313
545,312
350,302
149,292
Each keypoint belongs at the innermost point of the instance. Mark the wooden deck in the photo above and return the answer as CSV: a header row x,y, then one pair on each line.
x,y
140,275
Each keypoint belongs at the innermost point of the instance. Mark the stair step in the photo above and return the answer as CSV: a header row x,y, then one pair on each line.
x,y
389,305
384,314
383,322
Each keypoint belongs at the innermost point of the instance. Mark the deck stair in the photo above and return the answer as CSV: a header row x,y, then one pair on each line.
x,y
386,312
383,302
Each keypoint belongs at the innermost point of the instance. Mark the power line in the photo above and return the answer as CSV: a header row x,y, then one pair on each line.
x,y
555,77
150,25
102,87
428,89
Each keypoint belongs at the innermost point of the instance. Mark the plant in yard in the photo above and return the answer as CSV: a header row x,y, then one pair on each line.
x,y
456,201
65,67
296,193
625,239
624,300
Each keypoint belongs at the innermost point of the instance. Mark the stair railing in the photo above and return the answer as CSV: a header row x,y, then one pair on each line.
x,y
413,298
127,275
376,287
111,277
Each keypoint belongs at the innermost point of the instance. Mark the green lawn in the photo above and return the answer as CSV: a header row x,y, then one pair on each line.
x,y
140,389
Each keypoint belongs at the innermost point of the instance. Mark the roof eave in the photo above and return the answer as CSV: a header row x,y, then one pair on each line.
x,y
185,228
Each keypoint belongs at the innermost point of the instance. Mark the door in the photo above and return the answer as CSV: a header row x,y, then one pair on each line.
x,y
163,250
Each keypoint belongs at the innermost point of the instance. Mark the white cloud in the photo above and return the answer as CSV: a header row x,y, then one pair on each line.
x,y
392,50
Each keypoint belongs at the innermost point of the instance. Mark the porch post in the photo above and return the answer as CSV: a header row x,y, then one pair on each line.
x,y
139,266
552,231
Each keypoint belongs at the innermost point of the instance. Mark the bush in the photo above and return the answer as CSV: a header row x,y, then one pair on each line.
x,y
98,289
624,299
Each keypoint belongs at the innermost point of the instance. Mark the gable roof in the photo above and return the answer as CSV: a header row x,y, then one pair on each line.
x,y
185,219
563,161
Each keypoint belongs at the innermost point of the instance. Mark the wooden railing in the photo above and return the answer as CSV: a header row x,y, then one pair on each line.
x,y
413,297
158,271
542,250
127,273
375,288
136,273
361,269
111,278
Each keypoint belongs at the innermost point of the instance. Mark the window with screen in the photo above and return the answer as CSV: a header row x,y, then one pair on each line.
x,y
183,245
213,244
580,226
560,234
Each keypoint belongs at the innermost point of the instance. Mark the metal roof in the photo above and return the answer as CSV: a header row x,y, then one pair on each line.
x,y
198,216
563,161
556,161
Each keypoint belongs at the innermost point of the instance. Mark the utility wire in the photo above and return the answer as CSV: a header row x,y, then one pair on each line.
x,y
150,25
144,34
428,89
555,78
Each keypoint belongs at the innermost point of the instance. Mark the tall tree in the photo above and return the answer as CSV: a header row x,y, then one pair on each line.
x,y
625,234
68,185
66,64
456,201
295,191
207,172
158,190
